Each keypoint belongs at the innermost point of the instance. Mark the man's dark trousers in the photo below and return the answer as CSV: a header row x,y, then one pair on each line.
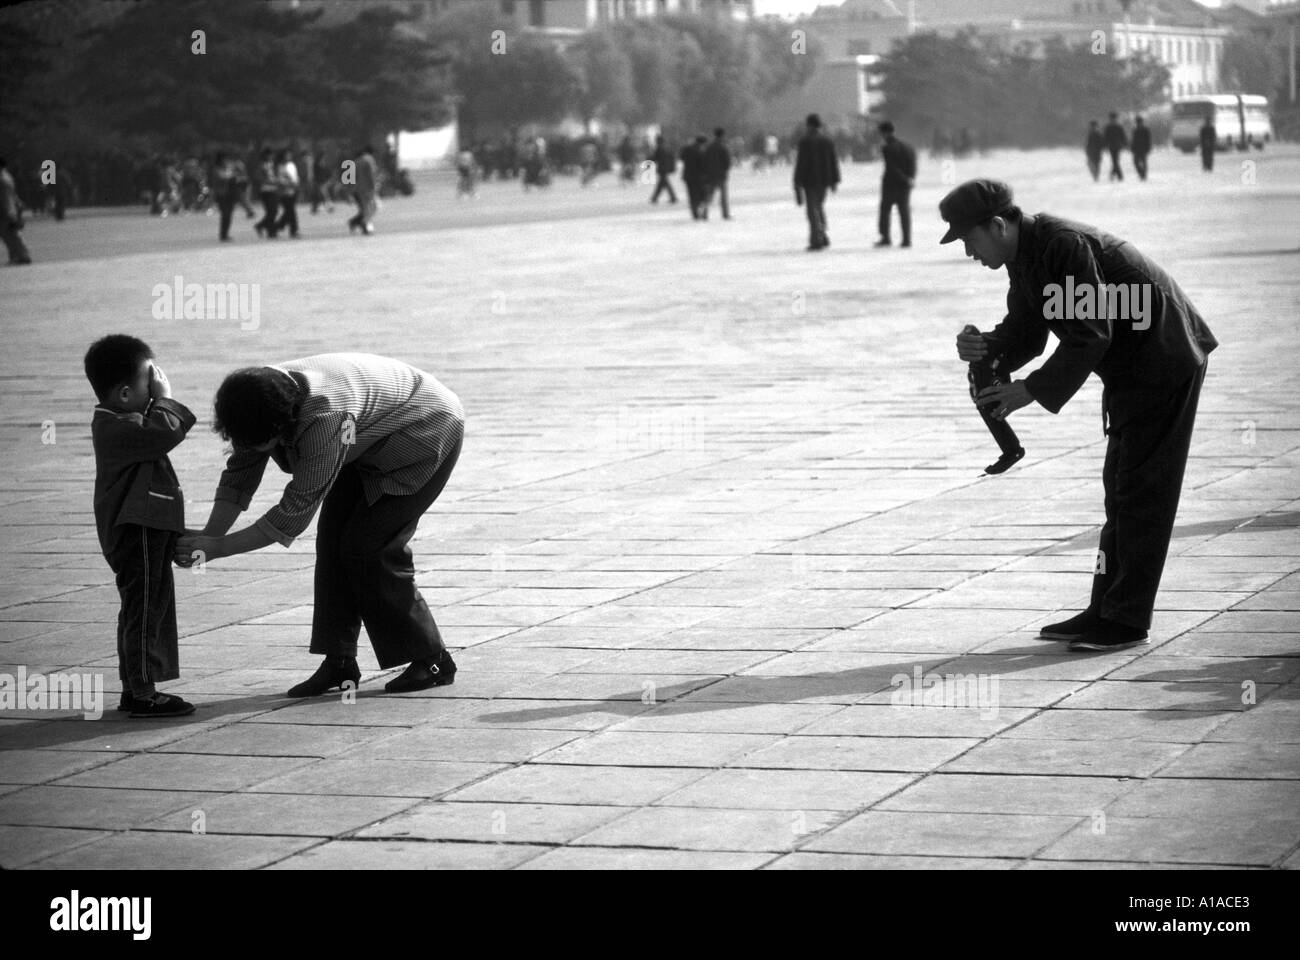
x,y
364,572
226,205
722,198
1115,172
1143,477
1140,165
814,199
895,196
662,184
147,644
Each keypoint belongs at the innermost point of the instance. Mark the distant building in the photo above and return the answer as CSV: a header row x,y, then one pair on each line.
x,y
1184,36
559,19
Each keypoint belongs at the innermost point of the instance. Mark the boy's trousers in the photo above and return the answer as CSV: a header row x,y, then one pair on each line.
x,y
147,645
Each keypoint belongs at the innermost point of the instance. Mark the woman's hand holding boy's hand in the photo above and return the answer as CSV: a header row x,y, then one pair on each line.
x,y
194,547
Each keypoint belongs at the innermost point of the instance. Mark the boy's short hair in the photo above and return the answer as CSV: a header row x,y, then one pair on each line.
x,y
114,360
254,405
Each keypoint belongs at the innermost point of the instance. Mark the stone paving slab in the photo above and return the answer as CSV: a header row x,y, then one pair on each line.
x,y
695,539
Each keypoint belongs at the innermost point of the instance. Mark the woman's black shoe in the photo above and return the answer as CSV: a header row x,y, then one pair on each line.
x,y
158,705
423,674
330,675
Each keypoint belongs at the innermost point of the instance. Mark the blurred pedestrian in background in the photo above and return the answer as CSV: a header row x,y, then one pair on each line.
x,y
11,217
227,189
268,192
1141,147
1093,148
364,191
717,165
665,163
692,158
286,181
816,170
896,184
1116,140
1209,141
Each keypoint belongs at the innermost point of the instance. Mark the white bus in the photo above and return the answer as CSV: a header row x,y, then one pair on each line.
x,y
1240,120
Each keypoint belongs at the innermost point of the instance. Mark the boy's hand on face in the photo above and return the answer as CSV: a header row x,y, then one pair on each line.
x,y
159,385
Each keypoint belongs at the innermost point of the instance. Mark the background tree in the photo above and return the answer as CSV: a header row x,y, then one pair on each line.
x,y
376,76
603,78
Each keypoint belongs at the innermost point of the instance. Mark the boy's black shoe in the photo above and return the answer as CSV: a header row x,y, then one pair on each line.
x,y
127,703
1109,635
423,674
330,675
1071,629
160,705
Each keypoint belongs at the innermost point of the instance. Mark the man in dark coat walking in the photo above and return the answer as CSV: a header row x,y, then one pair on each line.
x,y
896,184
717,164
1116,314
692,158
665,163
1116,140
1141,146
816,170
1093,148
1209,141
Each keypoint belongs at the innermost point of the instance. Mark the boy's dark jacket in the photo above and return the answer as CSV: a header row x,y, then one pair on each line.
x,y
1139,368
134,480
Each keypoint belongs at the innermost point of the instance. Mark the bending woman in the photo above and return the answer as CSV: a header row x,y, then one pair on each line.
x,y
370,441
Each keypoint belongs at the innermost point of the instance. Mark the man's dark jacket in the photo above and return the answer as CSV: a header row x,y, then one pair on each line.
x,y
1094,145
665,162
717,161
1141,141
1116,138
134,480
692,163
900,165
1139,368
816,167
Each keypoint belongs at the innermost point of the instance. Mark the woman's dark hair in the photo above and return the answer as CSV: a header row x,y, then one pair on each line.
x,y
114,360
255,404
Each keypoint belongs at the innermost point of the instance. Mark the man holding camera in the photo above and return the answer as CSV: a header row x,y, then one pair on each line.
x,y
1151,360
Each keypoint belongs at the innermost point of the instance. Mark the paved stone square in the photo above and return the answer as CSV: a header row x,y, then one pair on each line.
x,y
716,495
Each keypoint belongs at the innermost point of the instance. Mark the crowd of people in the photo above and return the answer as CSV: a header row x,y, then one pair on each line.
x,y
1114,138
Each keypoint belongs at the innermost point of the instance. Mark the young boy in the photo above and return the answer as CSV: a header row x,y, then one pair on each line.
x,y
139,512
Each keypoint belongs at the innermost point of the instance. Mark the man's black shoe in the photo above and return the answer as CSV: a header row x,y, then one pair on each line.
x,y
1071,629
423,674
1109,635
882,242
331,674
